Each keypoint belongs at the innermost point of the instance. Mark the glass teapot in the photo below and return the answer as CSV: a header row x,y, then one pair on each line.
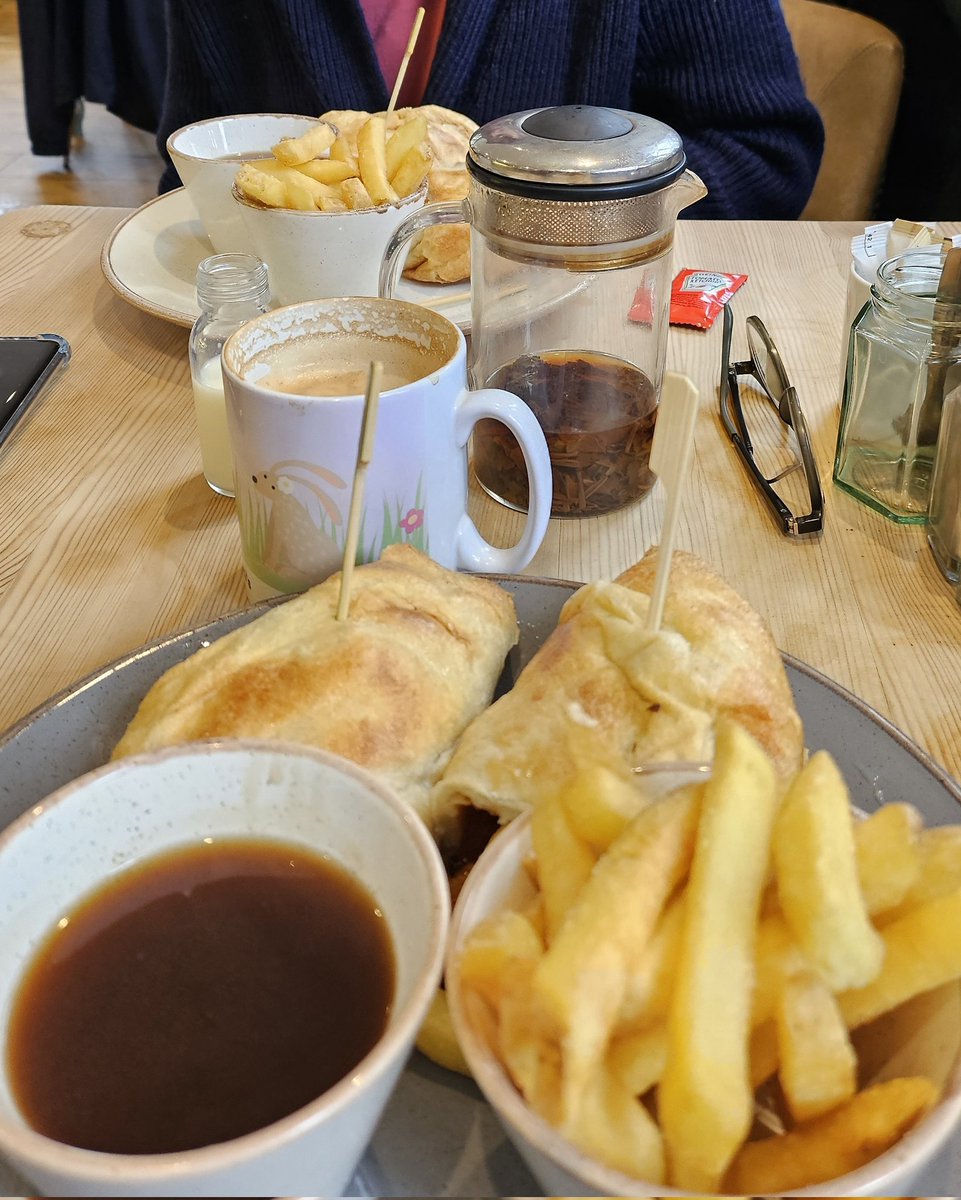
x,y
572,214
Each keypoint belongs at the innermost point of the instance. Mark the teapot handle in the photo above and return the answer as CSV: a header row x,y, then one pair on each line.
x,y
448,213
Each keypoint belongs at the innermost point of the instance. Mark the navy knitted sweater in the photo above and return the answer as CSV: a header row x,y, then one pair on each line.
x,y
722,72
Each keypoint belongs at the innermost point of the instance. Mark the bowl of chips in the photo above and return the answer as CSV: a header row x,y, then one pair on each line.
x,y
207,155
713,986
320,209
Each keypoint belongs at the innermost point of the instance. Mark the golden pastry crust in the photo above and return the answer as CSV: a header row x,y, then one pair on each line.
x,y
440,254
600,688
390,688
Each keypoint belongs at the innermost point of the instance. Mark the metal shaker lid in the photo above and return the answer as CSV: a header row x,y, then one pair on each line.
x,y
576,151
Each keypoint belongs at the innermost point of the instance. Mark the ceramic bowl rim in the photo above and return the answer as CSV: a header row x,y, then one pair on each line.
x,y
275,116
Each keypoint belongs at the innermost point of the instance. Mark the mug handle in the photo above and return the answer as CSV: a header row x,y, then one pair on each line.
x,y
449,212
473,553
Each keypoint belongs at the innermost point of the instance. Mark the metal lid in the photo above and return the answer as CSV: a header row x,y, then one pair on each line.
x,y
575,152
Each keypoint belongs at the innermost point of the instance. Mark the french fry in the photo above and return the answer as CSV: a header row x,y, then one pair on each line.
x,y
501,939
333,204
412,171
258,185
922,950
341,151
372,160
939,853
841,1141
355,195
650,980
705,1101
888,858
436,1037
882,871
327,170
292,151
818,1068
615,1127
564,862
638,1059
777,955
296,195
600,804
531,1056
404,138
295,178
270,166
817,877
581,979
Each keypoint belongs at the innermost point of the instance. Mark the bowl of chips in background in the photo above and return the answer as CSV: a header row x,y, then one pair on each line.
x,y
320,210
207,155
596,969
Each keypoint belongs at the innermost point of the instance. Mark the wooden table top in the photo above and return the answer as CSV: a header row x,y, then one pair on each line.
x,y
109,536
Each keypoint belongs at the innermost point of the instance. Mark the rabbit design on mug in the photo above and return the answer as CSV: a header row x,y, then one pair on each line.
x,y
296,548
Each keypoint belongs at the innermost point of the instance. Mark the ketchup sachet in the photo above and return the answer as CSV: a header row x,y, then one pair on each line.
x,y
697,297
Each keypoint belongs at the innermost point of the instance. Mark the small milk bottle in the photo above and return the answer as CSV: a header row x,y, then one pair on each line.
x,y
231,289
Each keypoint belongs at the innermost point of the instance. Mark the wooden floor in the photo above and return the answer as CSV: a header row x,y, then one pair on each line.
x,y
111,163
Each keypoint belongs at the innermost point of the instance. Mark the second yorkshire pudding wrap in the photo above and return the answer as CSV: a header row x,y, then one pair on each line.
x,y
601,687
390,688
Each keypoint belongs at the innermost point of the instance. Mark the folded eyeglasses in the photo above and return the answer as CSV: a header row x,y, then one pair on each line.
x,y
793,443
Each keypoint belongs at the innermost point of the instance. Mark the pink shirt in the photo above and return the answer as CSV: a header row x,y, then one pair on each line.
x,y
390,23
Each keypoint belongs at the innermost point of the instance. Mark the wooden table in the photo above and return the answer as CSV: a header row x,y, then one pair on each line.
x,y
109,536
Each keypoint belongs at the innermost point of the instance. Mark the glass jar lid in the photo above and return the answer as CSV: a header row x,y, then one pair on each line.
x,y
576,151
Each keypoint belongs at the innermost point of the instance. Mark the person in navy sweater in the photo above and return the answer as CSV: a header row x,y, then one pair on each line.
x,y
723,73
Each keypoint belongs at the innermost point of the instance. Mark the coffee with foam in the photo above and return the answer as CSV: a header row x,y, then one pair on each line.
x,y
338,364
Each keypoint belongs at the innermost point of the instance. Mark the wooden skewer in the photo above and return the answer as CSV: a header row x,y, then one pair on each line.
x,y
671,452
463,297
365,450
402,70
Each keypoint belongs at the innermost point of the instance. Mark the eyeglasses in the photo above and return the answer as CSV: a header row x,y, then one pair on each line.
x,y
767,369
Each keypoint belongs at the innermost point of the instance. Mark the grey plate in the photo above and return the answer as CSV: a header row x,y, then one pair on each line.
x,y
438,1137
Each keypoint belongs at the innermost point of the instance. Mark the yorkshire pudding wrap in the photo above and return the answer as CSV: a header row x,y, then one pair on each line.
x,y
601,687
390,688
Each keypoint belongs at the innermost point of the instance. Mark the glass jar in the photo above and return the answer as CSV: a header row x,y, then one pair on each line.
x,y
903,356
572,212
231,289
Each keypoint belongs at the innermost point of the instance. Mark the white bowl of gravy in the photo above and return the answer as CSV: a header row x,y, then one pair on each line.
x,y
214,960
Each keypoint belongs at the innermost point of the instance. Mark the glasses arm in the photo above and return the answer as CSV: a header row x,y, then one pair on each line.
x,y
732,414
815,519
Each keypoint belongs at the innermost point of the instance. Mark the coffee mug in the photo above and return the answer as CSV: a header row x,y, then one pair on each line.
x,y
294,381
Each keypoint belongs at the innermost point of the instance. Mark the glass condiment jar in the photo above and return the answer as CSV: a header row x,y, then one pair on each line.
x,y
903,357
231,289
572,213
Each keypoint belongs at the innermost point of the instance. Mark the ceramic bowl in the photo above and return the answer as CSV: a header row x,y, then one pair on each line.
x,y
499,882
207,156
62,848
314,255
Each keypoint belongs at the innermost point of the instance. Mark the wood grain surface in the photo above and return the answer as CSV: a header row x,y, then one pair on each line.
x,y
109,536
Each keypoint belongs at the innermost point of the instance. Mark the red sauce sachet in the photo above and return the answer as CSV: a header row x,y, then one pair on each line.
x,y
697,297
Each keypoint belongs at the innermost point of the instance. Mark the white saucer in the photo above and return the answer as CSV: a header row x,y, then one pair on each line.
x,y
151,261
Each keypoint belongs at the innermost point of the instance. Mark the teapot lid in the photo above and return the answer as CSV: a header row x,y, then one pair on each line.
x,y
576,151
